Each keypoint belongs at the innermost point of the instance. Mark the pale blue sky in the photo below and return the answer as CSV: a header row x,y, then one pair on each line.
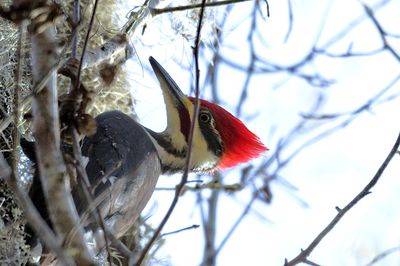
x,y
327,174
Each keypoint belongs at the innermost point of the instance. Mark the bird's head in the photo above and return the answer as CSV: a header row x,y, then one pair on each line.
x,y
220,139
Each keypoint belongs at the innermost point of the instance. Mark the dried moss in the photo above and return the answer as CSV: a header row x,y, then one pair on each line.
x,y
13,250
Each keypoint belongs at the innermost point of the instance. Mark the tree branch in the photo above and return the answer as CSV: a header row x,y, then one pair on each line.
x,y
302,257
381,31
158,11
46,130
383,255
181,185
210,226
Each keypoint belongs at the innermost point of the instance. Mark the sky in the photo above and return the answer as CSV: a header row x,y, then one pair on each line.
x,y
328,173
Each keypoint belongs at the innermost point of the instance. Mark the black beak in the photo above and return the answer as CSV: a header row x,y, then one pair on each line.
x,y
169,87
178,105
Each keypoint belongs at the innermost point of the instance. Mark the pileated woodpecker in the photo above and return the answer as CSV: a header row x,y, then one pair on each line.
x,y
125,159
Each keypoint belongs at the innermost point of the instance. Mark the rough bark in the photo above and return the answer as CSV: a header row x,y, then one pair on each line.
x,y
49,157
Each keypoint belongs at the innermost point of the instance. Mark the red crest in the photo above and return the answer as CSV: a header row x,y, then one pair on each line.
x,y
239,143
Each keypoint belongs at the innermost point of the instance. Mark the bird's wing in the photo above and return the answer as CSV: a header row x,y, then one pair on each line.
x,y
123,167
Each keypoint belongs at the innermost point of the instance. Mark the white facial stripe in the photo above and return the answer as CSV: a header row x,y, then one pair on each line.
x,y
174,125
200,151
202,159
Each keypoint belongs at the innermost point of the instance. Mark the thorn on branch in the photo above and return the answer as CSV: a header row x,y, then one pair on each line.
x,y
338,209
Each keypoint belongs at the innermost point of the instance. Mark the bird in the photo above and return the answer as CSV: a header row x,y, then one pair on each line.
x,y
125,159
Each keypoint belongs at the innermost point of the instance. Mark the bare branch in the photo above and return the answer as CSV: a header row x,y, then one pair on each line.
x,y
302,257
348,53
195,226
290,18
210,226
253,59
368,105
211,75
185,174
46,129
76,17
352,25
85,44
139,17
156,11
381,31
383,255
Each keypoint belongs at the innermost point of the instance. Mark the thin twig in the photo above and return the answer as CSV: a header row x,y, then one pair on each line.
x,y
158,11
351,25
78,76
136,18
381,31
195,226
87,188
302,257
211,76
185,174
368,105
290,18
75,136
383,255
76,16
253,59
210,226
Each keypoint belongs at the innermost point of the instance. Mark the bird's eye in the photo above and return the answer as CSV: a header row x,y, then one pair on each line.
x,y
204,117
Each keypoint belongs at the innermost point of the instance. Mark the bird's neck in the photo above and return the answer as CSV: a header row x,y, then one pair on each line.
x,y
173,151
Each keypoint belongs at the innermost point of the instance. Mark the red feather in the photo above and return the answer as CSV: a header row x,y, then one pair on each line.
x,y
239,143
